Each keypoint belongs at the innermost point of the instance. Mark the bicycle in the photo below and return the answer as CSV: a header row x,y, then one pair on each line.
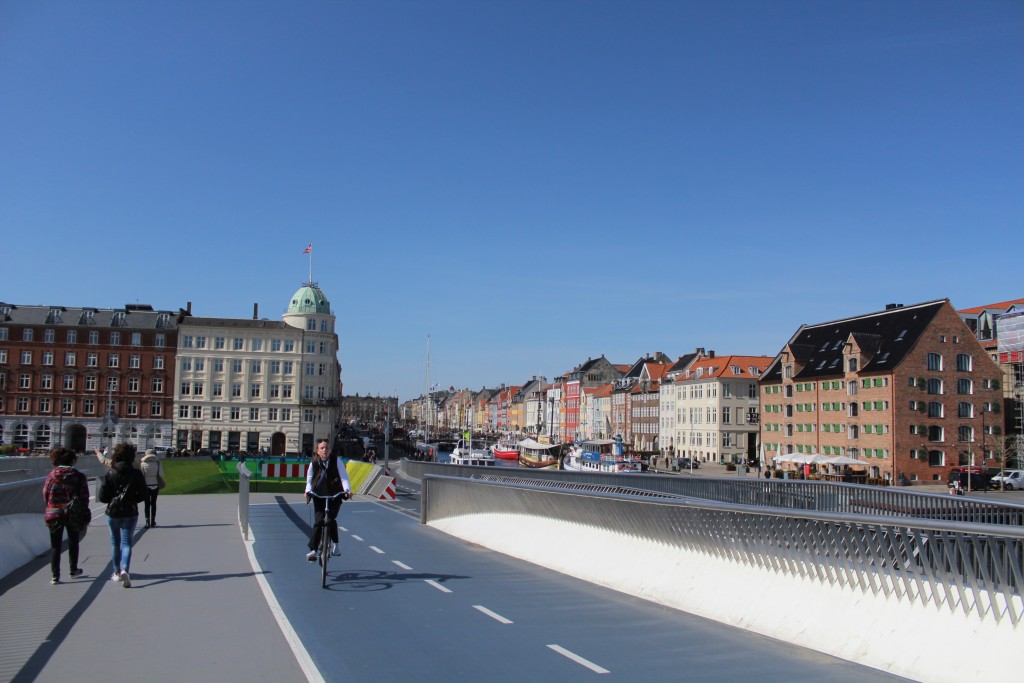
x,y
324,551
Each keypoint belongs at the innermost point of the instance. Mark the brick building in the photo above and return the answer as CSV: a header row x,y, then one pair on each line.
x,y
86,377
908,390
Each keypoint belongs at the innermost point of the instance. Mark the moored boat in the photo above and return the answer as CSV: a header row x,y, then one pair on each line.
x,y
463,454
507,448
600,455
539,455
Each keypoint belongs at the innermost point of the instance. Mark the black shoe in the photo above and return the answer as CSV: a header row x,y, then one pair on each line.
x,y
55,580
77,572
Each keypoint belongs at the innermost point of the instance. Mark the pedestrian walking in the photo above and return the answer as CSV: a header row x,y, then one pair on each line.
x,y
123,488
153,471
66,492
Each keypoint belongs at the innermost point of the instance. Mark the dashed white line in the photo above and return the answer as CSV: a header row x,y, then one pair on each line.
x,y
358,538
438,586
579,660
341,528
376,550
493,615
402,565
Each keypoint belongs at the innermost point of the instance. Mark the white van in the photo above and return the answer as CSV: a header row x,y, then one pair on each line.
x,y
1010,480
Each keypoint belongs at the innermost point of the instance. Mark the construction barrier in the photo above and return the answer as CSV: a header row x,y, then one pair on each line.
x,y
284,470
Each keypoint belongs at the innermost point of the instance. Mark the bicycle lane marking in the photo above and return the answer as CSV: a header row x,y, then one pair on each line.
x,y
298,649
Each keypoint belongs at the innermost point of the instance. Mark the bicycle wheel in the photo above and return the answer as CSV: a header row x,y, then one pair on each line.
x,y
325,554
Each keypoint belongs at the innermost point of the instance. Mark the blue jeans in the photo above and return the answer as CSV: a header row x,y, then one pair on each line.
x,y
121,530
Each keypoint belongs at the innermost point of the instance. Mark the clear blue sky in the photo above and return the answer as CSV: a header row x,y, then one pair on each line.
x,y
529,183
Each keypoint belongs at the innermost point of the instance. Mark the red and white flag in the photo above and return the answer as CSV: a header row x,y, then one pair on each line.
x,y
309,249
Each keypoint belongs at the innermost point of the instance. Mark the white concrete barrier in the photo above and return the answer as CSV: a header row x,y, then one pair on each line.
x,y
22,538
911,640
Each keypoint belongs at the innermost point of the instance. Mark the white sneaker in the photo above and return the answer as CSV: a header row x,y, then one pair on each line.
x,y
116,576
311,556
335,550
125,581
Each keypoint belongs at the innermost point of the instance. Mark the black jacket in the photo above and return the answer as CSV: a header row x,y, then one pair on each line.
x,y
123,479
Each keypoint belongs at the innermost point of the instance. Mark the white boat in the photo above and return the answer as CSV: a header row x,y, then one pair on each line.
x,y
603,456
464,454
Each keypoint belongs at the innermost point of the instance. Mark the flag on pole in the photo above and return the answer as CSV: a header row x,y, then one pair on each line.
x,y
309,249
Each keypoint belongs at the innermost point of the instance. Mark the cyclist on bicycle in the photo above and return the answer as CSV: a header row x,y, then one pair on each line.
x,y
327,478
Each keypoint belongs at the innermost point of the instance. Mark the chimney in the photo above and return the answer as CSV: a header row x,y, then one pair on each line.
x,y
711,353
188,308
256,311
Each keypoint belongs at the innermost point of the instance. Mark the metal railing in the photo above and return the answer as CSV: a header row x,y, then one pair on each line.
x,y
820,496
954,566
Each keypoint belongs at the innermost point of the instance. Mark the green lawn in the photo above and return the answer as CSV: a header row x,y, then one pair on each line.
x,y
206,476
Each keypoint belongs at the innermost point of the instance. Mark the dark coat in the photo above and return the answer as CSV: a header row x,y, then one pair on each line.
x,y
123,478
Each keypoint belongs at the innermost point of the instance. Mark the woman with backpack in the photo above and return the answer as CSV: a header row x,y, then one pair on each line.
x,y
123,488
66,492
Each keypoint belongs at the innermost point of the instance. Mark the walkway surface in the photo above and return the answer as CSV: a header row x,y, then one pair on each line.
x,y
193,605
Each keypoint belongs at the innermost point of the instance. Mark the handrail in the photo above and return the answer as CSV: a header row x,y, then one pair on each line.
x,y
780,493
949,564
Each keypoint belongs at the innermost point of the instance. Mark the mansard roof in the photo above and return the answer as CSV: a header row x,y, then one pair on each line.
x,y
885,336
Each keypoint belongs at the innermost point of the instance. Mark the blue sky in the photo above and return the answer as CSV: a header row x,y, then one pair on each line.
x,y
529,183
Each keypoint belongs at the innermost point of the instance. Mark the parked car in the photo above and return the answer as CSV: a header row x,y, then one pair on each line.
x,y
687,463
1009,480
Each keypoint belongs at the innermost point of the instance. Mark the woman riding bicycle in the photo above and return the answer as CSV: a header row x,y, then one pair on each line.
x,y
327,484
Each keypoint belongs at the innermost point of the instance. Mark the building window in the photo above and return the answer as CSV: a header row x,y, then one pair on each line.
x,y
236,413
47,357
94,337
132,408
218,365
26,334
236,390
155,408
69,382
935,409
115,338
92,360
934,386
133,384
158,385
964,363
90,382
26,358
257,344
964,386
113,360
254,414
964,409
289,345
237,344
134,360
197,412
254,390
160,341
89,406
965,433
218,389
214,412
69,358
218,342
236,365
935,433
256,367
24,381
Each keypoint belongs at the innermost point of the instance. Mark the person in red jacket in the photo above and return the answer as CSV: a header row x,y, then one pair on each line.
x,y
63,485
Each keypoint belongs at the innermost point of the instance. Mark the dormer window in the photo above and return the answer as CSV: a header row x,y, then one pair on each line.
x,y
53,316
901,335
5,310
754,371
118,319
88,318
163,320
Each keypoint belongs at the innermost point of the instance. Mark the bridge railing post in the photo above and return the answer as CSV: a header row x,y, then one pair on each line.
x,y
244,474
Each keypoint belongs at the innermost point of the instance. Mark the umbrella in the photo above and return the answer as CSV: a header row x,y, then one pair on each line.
x,y
845,460
810,459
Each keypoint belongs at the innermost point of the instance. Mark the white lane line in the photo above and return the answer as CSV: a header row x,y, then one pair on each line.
x,y
438,586
358,538
492,615
302,657
579,660
341,528
403,565
376,550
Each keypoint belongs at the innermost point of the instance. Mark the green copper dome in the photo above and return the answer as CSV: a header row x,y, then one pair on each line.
x,y
309,299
